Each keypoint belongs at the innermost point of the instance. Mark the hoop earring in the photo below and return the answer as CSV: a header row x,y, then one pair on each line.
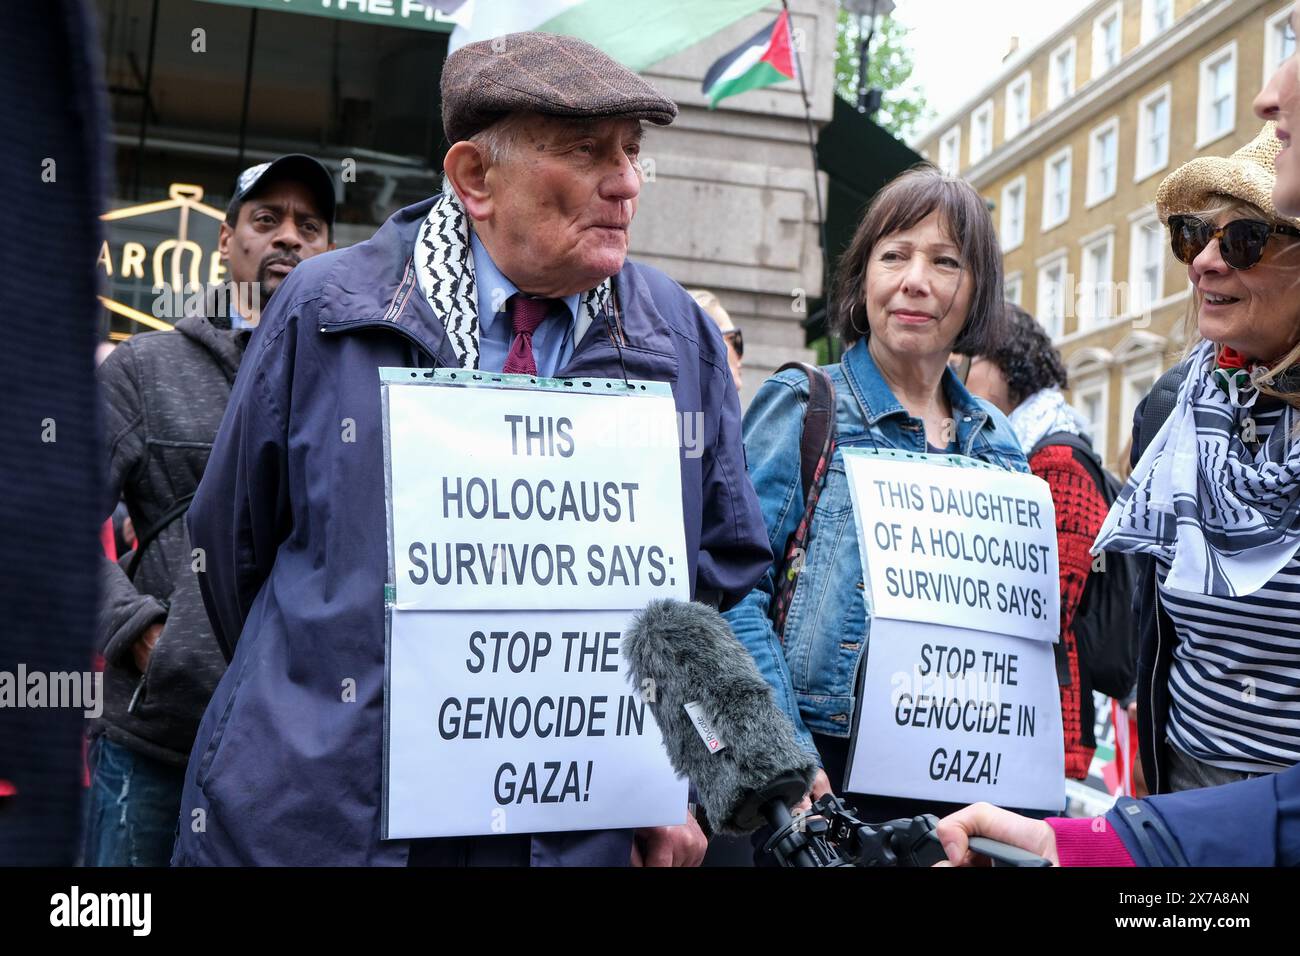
x,y
862,334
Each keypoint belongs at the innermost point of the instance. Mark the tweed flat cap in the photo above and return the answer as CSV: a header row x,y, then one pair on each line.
x,y
541,73
1248,174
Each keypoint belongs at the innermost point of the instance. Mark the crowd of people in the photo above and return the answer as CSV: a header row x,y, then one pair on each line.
x,y
250,590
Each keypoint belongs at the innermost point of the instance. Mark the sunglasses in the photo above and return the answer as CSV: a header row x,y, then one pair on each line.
x,y
737,341
1241,242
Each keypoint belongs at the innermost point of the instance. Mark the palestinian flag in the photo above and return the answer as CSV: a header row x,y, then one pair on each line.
x,y
765,58
636,33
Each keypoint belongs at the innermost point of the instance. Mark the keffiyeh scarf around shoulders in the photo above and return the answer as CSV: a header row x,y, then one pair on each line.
x,y
1225,517
444,270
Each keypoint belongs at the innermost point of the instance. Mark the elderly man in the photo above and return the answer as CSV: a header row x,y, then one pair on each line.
x,y
164,395
518,265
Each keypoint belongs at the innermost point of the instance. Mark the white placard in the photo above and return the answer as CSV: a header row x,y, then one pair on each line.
x,y
958,546
527,526
523,498
520,722
959,716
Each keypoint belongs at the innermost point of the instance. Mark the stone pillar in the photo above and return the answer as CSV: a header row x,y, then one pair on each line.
x,y
729,203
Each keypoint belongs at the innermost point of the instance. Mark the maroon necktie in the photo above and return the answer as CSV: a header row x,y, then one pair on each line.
x,y
525,316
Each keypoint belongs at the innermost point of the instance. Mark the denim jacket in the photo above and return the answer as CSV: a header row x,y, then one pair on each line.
x,y
814,677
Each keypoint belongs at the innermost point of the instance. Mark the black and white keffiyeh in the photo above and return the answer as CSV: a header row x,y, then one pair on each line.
x,y
1226,517
444,270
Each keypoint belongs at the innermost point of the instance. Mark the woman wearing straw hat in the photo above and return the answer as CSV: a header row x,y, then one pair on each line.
x,y
1213,504
1219,515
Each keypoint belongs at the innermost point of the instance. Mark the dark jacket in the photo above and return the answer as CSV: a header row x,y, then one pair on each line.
x,y
293,518
164,397
1249,823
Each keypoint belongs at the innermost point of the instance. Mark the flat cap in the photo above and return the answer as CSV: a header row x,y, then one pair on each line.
x,y
542,73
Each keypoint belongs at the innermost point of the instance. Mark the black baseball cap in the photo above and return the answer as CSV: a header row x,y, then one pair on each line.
x,y
296,166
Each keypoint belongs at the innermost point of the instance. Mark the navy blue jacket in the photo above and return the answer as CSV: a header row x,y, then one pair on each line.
x,y
290,517
1250,823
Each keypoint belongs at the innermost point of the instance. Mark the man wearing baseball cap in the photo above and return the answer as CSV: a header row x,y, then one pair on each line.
x,y
280,213
164,396
518,265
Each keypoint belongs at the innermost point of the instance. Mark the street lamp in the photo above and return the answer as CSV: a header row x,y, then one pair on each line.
x,y
868,99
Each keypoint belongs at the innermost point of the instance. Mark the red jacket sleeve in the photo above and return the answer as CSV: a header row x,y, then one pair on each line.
x,y
1080,511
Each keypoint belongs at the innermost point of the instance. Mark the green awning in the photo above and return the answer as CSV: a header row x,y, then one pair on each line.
x,y
411,14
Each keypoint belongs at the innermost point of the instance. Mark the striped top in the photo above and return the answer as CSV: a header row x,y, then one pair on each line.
x,y
1234,683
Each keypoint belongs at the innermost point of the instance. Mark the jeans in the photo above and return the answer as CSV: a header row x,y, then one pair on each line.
x,y
134,805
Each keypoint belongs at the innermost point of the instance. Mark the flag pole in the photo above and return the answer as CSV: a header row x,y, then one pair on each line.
x,y
817,192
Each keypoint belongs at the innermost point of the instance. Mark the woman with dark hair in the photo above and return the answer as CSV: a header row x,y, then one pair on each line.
x,y
1023,376
921,277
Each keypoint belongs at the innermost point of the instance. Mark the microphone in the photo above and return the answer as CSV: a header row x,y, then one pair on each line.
x,y
720,725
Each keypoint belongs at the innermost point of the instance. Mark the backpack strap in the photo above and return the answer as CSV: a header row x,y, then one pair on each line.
x,y
143,541
816,448
1158,405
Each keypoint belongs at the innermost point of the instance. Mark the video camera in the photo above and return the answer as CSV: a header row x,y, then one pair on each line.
x,y
831,835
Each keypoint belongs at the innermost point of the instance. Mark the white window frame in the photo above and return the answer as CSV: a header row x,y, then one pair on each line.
x,y
1116,12
1012,239
1068,154
1098,384
1136,266
1271,60
1094,192
1149,30
985,112
1042,311
950,147
1009,127
1141,172
1088,316
1147,367
1015,282
1053,73
1204,135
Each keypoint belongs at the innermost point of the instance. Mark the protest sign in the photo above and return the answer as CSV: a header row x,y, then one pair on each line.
x,y
520,723
961,546
960,700
525,498
528,523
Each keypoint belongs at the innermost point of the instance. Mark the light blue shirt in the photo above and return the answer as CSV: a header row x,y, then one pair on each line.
x,y
554,339
237,321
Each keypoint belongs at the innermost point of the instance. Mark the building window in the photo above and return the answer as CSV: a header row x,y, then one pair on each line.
x,y
1013,214
1090,401
1060,74
1013,288
1153,133
950,151
1056,189
1106,39
1051,295
1138,381
1279,41
1217,112
1103,161
981,132
1096,283
1146,268
1157,17
1017,117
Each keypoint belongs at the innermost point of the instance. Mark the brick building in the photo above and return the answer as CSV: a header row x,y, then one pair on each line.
x,y
1069,143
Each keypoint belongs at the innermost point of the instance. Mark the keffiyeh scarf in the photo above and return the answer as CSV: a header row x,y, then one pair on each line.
x,y
444,270
1227,518
1041,414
